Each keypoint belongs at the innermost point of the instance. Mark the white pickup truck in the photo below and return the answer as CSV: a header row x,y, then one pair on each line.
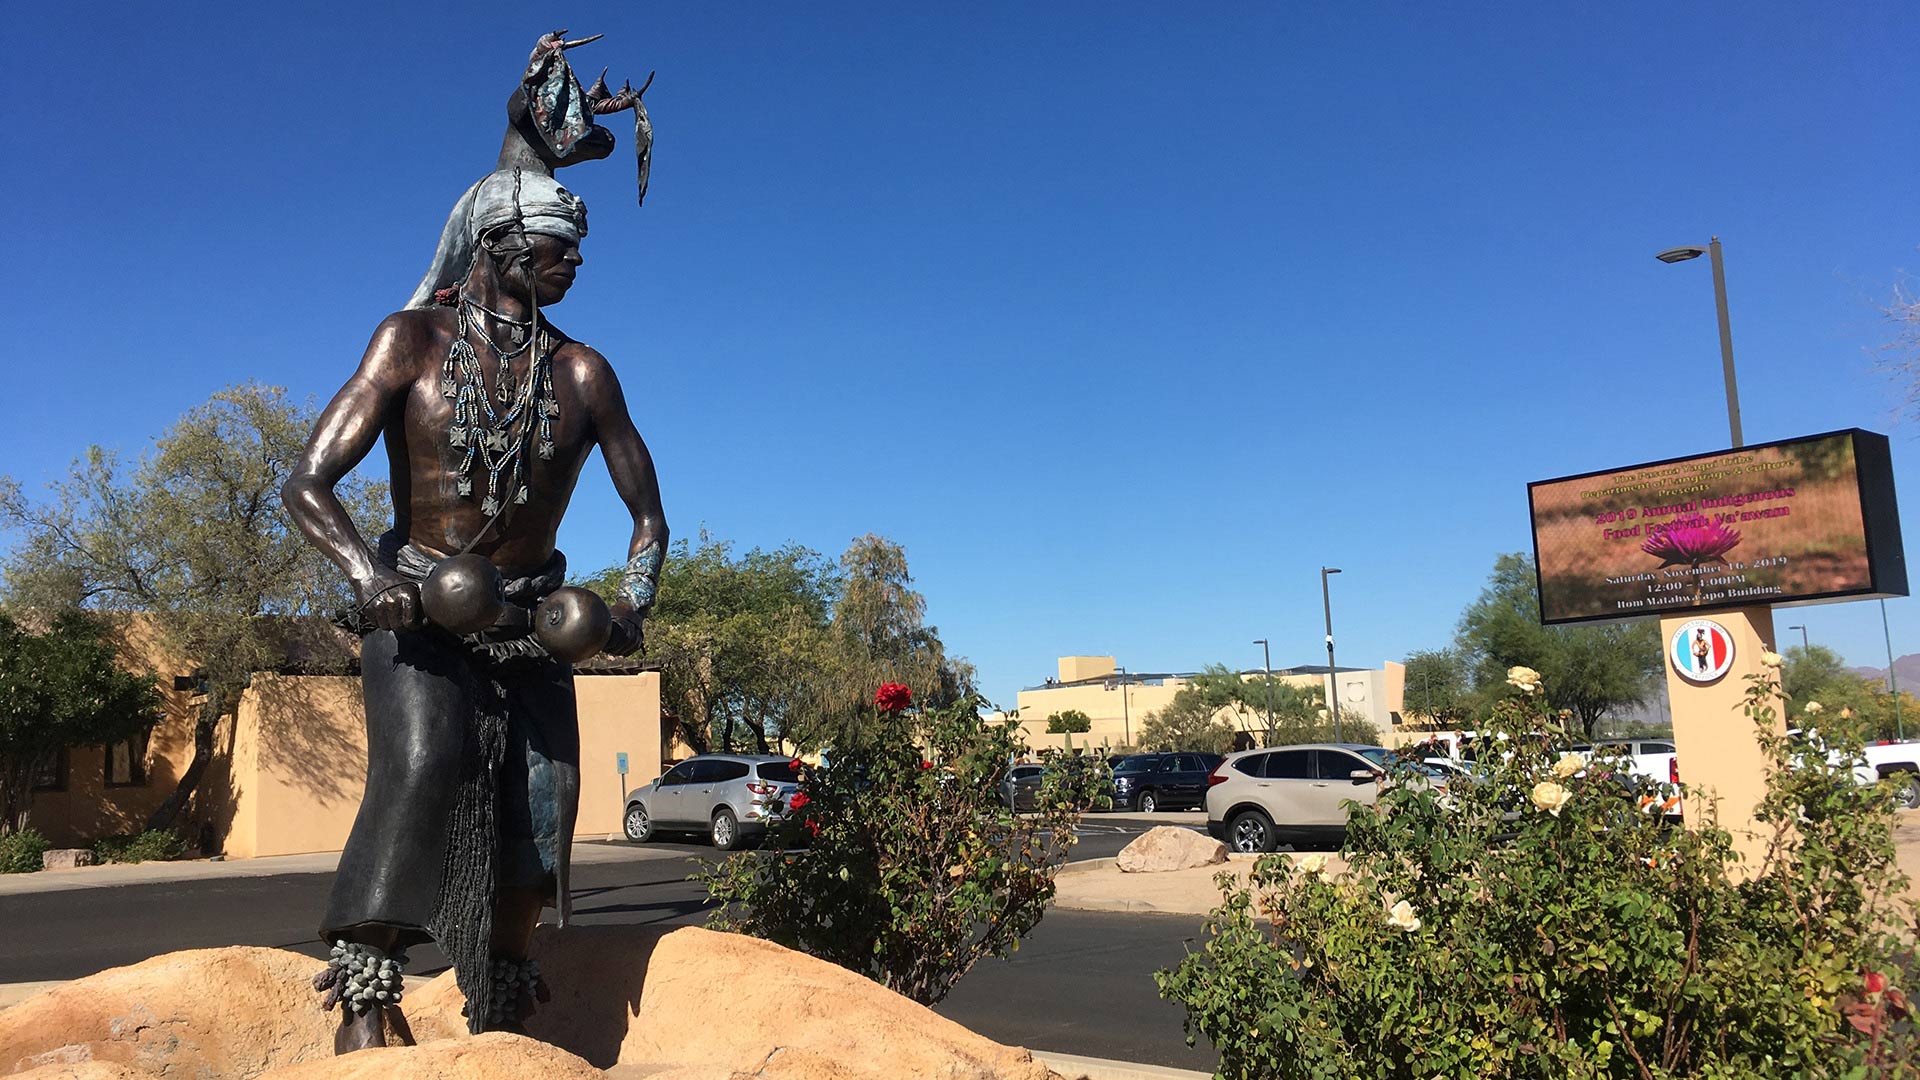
x,y
1900,763
1897,762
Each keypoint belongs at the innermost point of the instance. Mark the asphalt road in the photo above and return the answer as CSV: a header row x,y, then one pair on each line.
x,y
1081,983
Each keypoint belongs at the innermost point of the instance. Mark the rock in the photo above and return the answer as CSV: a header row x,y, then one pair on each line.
x,y
233,1012
495,1055
786,1014
1169,847
85,1070
693,1004
66,858
636,1001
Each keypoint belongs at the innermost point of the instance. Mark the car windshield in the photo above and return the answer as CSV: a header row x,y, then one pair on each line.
x,y
1377,755
1136,763
780,772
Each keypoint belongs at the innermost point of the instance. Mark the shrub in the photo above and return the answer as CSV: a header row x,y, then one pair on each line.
x,y
154,845
1544,920
20,852
914,869
1072,720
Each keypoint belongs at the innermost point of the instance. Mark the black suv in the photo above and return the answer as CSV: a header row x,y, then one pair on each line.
x,y
1150,782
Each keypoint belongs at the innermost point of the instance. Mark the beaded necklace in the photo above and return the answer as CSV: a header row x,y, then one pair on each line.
x,y
496,439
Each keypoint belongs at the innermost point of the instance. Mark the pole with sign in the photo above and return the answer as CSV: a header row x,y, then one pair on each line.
x,y
620,763
1710,544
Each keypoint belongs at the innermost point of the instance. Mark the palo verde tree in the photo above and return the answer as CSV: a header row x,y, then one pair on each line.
x,y
1590,671
741,640
1439,688
59,688
780,649
195,535
1817,673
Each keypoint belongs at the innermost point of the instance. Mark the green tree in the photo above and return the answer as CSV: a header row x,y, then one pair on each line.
x,y
1219,706
1439,688
58,689
1590,671
741,640
781,649
195,534
1817,673
883,636
1071,721
1187,722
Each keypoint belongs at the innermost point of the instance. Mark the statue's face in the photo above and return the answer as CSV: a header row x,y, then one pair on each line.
x,y
551,263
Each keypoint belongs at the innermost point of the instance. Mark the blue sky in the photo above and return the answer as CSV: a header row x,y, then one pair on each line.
x,y
1123,319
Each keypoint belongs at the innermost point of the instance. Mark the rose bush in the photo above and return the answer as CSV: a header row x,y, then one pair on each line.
x,y
913,869
1540,920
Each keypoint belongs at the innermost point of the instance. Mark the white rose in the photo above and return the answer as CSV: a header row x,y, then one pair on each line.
x,y
1524,679
1813,707
1314,863
1568,765
1770,659
1402,916
1550,796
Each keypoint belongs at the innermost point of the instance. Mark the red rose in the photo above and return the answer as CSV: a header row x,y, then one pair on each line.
x,y
892,697
926,764
813,827
1875,982
795,764
798,800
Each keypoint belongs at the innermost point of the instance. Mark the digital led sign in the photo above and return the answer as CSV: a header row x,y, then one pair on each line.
x,y
1798,521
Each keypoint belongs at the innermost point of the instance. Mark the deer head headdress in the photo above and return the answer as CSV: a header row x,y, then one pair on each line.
x,y
550,125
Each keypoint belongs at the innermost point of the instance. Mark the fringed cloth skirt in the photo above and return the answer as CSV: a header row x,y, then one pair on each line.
x,y
473,779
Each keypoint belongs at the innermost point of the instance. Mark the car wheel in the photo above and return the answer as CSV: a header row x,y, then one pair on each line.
x,y
1908,793
726,830
1250,831
1148,802
638,824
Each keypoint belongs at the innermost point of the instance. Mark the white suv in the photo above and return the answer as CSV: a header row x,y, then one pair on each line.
x,y
1260,799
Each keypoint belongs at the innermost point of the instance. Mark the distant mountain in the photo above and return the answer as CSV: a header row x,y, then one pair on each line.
x,y
1906,671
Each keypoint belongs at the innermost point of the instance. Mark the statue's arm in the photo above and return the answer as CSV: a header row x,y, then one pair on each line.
x,y
342,437
631,467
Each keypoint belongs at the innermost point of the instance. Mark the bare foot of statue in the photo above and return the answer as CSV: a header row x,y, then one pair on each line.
x,y
358,1031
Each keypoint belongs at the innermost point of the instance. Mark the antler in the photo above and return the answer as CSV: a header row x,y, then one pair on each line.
x,y
557,42
604,101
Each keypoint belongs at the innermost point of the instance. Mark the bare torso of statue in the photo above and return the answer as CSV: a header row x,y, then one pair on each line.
x,y
488,414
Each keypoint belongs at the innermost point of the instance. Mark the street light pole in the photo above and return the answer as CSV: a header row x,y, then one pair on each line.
x,y
1326,603
1682,254
1126,724
1266,665
1804,647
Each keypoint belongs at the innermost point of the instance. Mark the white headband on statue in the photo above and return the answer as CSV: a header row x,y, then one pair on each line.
x,y
542,206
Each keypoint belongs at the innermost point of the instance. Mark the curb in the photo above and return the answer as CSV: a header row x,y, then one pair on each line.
x,y
1131,907
1072,1065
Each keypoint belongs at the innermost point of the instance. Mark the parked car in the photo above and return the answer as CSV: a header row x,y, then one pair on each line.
x,y
1168,781
733,798
1020,788
1259,799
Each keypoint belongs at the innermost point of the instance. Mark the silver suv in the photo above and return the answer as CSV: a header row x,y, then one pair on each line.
x,y
1260,799
730,797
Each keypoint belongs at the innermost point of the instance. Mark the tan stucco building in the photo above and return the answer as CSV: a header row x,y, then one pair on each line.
x,y
290,762
1117,702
